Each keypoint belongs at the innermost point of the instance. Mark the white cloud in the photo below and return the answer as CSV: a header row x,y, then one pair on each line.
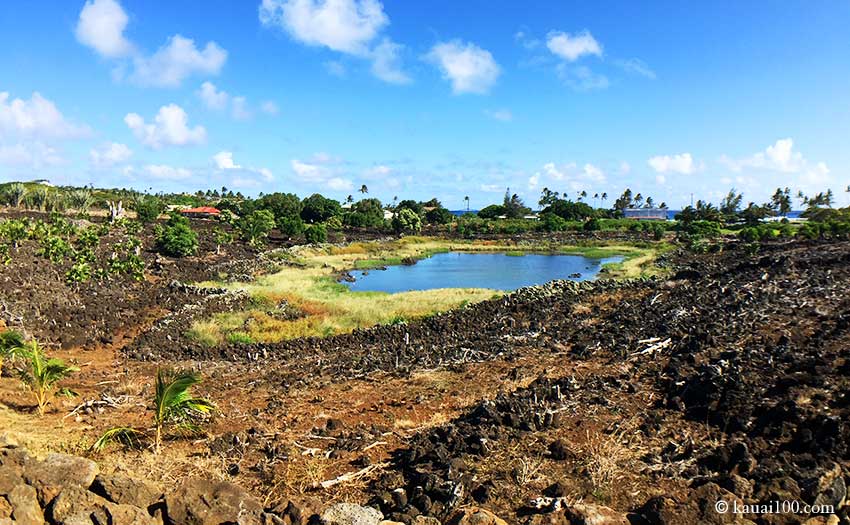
x,y
468,67
682,163
533,181
572,47
177,60
502,115
170,128
101,27
581,78
570,175
347,26
386,63
269,107
306,170
378,171
492,188
212,97
35,155
109,154
37,117
660,179
636,66
779,157
224,161
625,168
339,184
240,109
163,171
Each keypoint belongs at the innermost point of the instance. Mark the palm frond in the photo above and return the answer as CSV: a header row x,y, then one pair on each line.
x,y
126,435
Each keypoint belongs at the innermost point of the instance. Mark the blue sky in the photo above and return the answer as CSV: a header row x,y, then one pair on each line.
x,y
422,99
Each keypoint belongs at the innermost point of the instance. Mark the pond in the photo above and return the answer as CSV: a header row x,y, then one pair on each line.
x,y
497,271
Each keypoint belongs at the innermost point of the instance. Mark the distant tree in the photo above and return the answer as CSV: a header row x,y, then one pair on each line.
x,y
316,233
753,214
547,197
349,199
730,204
649,202
623,202
466,198
438,216
363,189
281,205
492,211
412,205
316,208
638,200
663,206
148,208
570,211
604,197
255,228
780,202
406,221
514,207
177,239
366,213
582,195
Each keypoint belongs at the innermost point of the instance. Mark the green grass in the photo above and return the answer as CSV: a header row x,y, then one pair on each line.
x,y
330,307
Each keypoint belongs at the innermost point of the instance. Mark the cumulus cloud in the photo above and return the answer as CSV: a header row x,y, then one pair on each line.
x,y
781,157
347,26
101,27
164,171
169,128
223,161
469,68
572,47
176,60
34,155
269,107
572,176
322,169
502,115
581,78
37,118
109,154
212,97
682,163
386,63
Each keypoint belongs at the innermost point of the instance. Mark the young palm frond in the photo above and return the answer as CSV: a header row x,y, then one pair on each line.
x,y
11,346
174,403
174,406
43,373
128,436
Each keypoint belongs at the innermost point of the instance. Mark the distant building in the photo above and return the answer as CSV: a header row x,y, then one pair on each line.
x,y
646,214
203,212
388,215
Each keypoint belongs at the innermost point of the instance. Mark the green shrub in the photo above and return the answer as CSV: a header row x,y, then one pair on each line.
x,y
177,239
290,226
592,225
438,216
406,221
148,209
80,272
256,227
552,223
316,233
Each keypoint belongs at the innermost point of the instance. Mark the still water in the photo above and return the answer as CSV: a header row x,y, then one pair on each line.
x,y
497,271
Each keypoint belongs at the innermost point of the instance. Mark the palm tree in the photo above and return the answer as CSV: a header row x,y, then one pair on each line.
x,y
363,189
16,193
466,198
42,374
349,199
649,202
604,197
582,195
174,403
638,200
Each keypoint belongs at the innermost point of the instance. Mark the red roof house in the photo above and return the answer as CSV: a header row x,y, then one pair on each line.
x,y
202,212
